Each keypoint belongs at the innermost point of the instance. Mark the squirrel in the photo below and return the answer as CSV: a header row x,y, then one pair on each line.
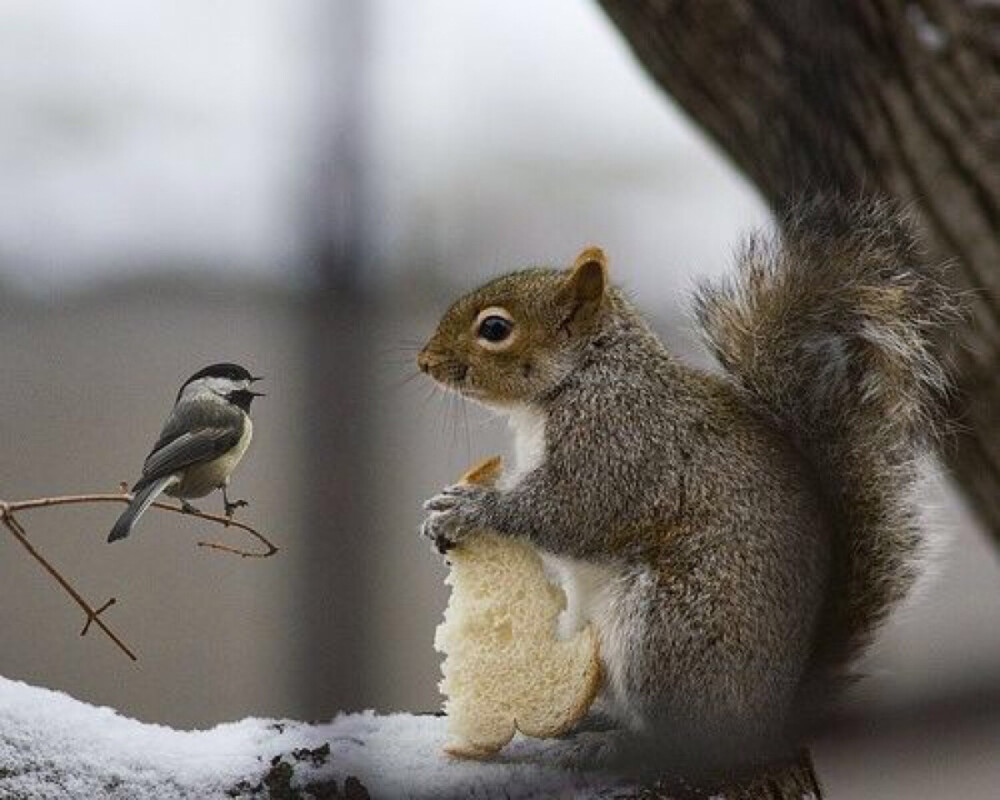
x,y
736,538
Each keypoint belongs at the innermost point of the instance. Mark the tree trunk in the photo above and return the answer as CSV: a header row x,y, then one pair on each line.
x,y
900,96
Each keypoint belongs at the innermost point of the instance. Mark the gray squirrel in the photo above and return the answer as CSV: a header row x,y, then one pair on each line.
x,y
736,539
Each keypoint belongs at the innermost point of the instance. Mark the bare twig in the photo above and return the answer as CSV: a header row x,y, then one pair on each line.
x,y
78,499
8,510
93,615
86,627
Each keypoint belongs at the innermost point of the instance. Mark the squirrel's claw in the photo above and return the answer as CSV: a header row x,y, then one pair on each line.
x,y
454,513
441,502
435,529
452,496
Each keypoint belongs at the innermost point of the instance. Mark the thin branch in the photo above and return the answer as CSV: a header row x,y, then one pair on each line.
x,y
78,499
90,618
7,511
93,615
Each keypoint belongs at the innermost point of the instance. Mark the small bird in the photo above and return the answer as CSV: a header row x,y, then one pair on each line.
x,y
202,441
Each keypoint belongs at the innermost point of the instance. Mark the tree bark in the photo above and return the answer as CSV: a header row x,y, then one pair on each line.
x,y
794,779
898,96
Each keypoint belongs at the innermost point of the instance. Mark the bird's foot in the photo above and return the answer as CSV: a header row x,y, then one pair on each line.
x,y
187,508
232,506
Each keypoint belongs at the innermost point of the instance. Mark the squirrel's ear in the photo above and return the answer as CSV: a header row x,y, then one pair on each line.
x,y
588,279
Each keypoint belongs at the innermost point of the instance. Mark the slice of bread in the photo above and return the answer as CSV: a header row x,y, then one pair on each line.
x,y
505,670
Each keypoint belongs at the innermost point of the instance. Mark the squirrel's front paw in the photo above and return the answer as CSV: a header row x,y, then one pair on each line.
x,y
455,513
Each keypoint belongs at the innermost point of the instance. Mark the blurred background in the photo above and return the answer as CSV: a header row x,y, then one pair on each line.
x,y
303,186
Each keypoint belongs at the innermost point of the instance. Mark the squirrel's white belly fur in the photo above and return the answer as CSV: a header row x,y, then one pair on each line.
x,y
595,593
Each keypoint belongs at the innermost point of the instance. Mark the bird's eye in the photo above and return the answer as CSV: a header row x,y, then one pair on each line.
x,y
495,328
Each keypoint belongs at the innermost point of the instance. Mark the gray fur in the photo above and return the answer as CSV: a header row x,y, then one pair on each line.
x,y
658,469
830,330
754,528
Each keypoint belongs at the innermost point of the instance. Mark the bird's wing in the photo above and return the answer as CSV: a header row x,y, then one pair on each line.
x,y
195,431
188,448
198,432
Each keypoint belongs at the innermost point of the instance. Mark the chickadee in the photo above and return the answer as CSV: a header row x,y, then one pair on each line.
x,y
201,443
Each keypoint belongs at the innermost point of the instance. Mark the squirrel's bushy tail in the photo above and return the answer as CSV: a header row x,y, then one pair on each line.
x,y
827,327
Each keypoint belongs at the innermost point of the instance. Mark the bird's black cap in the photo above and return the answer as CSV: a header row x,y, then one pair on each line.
x,y
233,372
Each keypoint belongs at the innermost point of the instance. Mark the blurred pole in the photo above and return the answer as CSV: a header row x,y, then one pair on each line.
x,y
339,329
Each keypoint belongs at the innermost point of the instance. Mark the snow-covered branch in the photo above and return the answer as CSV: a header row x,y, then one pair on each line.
x,y
53,746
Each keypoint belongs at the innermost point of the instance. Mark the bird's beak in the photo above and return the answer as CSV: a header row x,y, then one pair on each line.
x,y
255,378
256,394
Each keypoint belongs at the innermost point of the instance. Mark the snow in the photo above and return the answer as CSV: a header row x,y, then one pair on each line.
x,y
54,746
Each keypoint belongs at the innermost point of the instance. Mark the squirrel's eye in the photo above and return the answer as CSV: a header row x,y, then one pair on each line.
x,y
495,329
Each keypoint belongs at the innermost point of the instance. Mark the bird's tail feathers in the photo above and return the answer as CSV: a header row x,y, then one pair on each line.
x,y
142,500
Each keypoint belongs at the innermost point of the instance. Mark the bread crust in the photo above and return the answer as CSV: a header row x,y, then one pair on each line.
x,y
483,744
